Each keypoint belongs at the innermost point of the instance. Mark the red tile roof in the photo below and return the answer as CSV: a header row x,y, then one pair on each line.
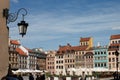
x,y
117,36
79,48
63,49
21,52
84,39
16,42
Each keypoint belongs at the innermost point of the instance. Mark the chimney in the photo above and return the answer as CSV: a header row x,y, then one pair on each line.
x,y
98,44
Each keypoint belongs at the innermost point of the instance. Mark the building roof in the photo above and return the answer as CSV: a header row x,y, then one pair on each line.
x,y
117,36
16,42
84,39
29,50
79,48
69,48
22,51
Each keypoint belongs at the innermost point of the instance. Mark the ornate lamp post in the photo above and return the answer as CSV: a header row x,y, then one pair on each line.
x,y
12,17
117,54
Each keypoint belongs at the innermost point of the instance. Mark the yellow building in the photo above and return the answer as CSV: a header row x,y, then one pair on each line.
x,y
88,41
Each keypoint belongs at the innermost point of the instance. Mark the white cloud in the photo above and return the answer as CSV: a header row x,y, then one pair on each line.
x,y
15,1
49,26
116,28
71,24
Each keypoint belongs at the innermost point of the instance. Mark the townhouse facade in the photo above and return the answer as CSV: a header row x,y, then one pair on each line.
x,y
23,58
100,57
67,57
13,54
74,56
59,64
87,56
85,45
40,58
88,59
50,62
17,55
31,60
114,45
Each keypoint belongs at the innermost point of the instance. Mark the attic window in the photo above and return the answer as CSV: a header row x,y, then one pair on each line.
x,y
63,52
58,51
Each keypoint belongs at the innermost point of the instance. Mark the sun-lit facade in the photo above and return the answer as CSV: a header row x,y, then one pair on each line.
x,y
4,34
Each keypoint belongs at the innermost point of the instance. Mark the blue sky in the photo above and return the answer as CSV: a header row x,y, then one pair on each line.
x,y
58,22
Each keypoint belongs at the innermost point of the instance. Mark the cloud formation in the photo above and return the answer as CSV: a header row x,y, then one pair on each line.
x,y
15,1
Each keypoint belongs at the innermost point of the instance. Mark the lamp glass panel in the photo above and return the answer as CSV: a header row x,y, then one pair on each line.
x,y
20,29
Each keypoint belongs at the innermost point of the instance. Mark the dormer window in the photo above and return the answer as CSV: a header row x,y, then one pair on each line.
x,y
113,42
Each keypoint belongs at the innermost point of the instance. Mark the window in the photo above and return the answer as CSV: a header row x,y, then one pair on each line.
x,y
95,53
56,67
109,59
113,42
98,53
98,58
104,64
113,59
101,52
98,64
112,53
104,52
101,64
68,55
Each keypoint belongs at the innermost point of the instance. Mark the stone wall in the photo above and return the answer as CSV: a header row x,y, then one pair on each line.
x,y
3,39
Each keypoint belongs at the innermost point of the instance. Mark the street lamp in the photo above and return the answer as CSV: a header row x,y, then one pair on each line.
x,y
12,17
117,54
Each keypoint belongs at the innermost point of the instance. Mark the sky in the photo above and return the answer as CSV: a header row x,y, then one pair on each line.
x,y
58,22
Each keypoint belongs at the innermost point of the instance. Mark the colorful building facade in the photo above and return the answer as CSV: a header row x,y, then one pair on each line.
x,y
100,57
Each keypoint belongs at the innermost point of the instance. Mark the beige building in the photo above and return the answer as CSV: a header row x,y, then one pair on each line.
x,y
59,64
85,44
65,59
3,39
50,62
113,46
17,55
88,59
74,56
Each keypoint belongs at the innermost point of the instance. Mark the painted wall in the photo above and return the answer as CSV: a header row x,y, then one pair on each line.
x,y
101,57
